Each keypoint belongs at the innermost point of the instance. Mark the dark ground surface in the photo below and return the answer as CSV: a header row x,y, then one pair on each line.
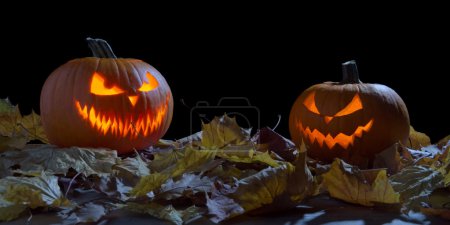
x,y
319,210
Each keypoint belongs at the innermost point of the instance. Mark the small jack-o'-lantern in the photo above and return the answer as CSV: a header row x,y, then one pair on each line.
x,y
350,120
104,101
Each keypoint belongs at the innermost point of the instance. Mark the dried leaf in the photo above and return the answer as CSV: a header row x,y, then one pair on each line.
x,y
13,125
131,170
191,160
415,184
111,186
222,208
22,192
223,131
364,187
272,188
417,140
389,159
9,119
8,143
33,125
58,160
187,182
168,213
248,156
270,140
164,159
10,211
88,213
444,213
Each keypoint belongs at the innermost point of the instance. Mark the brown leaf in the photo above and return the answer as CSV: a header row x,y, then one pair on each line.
x,y
51,159
13,125
364,187
270,140
221,207
417,140
415,184
223,131
389,159
271,189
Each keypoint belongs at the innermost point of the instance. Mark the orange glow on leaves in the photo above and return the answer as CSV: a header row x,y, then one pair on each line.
x,y
152,83
123,126
341,139
98,86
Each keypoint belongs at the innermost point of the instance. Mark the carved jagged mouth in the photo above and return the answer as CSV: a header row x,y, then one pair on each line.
x,y
123,125
340,139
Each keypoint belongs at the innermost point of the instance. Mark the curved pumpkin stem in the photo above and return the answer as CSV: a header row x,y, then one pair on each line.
x,y
100,48
350,73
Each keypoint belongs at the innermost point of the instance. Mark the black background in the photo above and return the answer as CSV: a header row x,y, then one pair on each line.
x,y
268,55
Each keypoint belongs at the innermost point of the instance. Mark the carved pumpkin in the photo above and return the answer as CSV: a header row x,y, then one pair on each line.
x,y
350,120
104,101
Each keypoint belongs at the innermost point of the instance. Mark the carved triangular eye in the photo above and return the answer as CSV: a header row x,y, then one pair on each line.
x,y
98,86
352,107
150,85
310,103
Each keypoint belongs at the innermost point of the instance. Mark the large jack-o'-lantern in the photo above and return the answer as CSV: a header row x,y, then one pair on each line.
x,y
104,101
350,120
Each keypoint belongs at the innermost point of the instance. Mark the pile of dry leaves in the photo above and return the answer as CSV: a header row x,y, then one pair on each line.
x,y
218,173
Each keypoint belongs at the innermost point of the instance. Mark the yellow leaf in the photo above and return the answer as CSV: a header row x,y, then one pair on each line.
x,y
9,119
23,192
271,189
417,140
223,131
438,203
248,156
10,211
13,125
364,187
191,161
33,125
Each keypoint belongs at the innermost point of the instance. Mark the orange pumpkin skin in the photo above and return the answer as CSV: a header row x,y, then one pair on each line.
x,y
349,120
122,104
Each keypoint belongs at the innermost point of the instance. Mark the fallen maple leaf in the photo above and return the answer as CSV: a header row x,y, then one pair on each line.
x,y
58,160
415,184
417,140
16,127
90,212
222,131
168,212
269,140
438,203
191,161
19,193
364,187
270,189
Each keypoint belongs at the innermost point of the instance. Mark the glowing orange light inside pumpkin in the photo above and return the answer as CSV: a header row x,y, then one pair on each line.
x,y
340,139
352,107
310,103
98,86
133,99
123,126
150,85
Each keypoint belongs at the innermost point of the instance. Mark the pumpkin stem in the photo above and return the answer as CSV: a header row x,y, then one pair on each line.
x,y
350,73
100,48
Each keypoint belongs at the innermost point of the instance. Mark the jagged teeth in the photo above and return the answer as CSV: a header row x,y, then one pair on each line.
x,y
341,139
122,126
